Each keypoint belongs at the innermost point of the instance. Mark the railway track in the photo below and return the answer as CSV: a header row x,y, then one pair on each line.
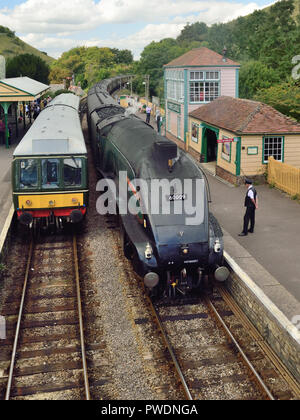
x,y
217,353
48,357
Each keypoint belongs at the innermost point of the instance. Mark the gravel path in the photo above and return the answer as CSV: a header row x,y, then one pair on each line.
x,y
129,381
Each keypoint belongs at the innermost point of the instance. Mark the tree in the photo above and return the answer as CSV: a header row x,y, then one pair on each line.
x,y
122,56
89,64
193,32
154,57
28,65
255,75
285,97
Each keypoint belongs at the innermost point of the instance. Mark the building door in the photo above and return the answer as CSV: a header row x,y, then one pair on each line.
x,y
210,144
179,127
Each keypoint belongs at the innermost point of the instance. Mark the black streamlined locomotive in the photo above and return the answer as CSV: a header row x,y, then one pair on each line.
x,y
162,197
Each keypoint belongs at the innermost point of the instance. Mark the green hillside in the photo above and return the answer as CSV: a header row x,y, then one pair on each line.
x,y
11,45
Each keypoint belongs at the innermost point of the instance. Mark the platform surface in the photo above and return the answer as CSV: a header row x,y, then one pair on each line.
x,y
275,243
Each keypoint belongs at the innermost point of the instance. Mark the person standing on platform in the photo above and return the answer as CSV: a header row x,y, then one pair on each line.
x,y
251,204
148,114
2,132
158,119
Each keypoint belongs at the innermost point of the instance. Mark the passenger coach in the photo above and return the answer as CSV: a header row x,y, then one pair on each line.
x,y
49,169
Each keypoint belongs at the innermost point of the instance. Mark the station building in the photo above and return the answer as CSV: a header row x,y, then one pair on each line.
x,y
195,79
238,135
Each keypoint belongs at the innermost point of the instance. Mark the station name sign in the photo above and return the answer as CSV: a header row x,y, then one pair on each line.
x,y
235,139
174,107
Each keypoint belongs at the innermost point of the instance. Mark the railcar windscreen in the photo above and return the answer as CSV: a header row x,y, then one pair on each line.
x,y
50,173
28,174
72,172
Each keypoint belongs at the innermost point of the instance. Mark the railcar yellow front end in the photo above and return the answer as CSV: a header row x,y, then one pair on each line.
x,y
50,189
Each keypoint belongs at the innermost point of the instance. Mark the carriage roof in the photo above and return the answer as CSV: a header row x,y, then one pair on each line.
x,y
56,131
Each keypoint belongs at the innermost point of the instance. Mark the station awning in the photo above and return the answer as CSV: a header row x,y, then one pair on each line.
x,y
20,89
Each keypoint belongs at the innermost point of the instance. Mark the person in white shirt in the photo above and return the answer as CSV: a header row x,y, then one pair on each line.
x,y
148,113
251,204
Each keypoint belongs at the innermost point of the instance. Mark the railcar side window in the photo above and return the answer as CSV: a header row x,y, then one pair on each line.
x,y
28,174
50,173
72,172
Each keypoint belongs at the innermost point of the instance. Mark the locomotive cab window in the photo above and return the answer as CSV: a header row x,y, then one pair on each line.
x,y
72,172
28,173
50,173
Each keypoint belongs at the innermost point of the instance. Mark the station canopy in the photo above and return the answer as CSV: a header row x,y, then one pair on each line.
x,y
20,89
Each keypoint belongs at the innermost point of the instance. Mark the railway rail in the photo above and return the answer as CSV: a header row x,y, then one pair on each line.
x,y
211,362
48,355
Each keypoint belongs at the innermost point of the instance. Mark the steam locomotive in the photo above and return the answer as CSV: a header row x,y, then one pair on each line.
x,y
162,198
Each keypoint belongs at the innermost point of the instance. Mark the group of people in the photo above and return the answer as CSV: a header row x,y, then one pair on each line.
x,y
33,109
157,117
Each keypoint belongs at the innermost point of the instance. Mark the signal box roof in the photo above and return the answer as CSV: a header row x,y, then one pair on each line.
x,y
202,57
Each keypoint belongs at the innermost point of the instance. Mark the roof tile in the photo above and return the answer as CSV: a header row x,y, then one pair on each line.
x,y
243,116
201,57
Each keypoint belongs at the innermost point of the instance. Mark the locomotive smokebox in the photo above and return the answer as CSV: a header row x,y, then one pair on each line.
x,y
165,151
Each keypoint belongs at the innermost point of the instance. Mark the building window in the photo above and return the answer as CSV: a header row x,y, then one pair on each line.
x,y
204,86
273,146
175,85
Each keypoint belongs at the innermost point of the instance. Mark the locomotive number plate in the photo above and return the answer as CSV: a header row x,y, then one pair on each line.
x,y
177,197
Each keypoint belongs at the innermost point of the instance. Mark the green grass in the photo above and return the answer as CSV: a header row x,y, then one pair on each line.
x,y
12,46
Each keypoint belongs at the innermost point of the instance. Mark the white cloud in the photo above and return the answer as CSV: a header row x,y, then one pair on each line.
x,y
49,25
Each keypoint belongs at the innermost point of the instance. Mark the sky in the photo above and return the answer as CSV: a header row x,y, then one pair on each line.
x,y
57,26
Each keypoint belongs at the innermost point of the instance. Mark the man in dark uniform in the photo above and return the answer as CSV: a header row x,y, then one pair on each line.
x,y
251,204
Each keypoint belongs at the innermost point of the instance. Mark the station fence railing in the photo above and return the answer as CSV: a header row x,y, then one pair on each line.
x,y
284,176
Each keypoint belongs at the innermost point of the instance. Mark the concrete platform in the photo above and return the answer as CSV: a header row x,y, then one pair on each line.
x,y
5,183
275,244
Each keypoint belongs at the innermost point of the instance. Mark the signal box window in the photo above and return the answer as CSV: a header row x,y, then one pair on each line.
x,y
50,173
28,174
72,172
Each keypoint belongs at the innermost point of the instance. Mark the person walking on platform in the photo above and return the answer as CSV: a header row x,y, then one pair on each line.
x,y
251,204
148,113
